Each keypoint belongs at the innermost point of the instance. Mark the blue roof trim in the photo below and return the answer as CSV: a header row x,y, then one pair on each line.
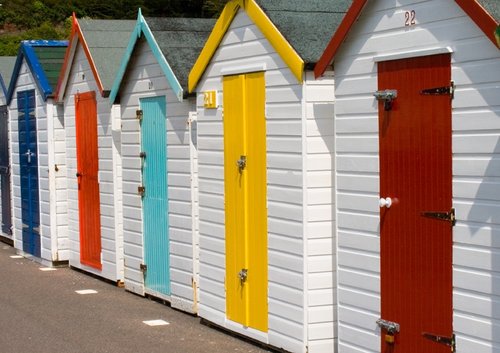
x,y
26,51
2,83
142,28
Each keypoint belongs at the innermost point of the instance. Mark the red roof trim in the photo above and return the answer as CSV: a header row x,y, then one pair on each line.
x,y
472,8
76,33
339,36
481,17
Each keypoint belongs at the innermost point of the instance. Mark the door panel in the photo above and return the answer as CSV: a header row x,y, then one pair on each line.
x,y
246,199
28,162
5,188
155,198
416,172
87,176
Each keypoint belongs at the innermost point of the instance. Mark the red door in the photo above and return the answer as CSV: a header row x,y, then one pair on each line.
x,y
88,185
416,173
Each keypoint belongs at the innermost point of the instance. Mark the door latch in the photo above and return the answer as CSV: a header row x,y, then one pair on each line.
x,y
242,275
389,326
447,341
141,190
29,154
387,96
241,163
143,268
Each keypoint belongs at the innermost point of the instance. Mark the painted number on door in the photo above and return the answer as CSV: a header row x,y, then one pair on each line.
x,y
410,18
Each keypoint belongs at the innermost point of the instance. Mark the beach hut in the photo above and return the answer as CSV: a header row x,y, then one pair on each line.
x,y
93,145
37,143
159,158
6,68
265,154
417,131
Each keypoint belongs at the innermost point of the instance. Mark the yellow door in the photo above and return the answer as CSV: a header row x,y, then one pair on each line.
x,y
245,199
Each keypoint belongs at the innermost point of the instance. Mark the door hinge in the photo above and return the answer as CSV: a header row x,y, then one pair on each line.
x,y
447,341
439,91
442,216
143,268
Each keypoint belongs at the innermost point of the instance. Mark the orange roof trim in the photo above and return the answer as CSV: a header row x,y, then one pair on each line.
x,y
76,35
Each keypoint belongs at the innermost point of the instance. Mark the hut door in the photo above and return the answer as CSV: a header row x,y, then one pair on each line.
x,y
5,171
28,162
154,195
87,175
416,230
245,199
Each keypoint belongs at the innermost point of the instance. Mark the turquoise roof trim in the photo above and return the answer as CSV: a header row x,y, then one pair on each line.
x,y
27,51
140,29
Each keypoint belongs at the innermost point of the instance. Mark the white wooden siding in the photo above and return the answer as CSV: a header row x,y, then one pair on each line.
x,y
320,214
243,46
82,80
143,68
476,169
51,200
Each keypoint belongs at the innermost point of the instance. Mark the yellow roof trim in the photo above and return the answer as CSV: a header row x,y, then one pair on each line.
x,y
213,41
273,35
279,43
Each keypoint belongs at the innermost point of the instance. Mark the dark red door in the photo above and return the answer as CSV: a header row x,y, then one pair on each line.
x,y
416,173
88,184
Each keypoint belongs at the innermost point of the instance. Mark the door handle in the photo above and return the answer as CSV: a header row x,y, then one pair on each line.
x,y
241,163
29,154
387,202
78,174
242,275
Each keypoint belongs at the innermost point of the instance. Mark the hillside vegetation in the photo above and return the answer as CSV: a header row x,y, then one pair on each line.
x,y
51,19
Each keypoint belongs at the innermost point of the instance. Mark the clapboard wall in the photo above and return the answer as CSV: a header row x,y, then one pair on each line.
x,y
145,78
52,193
300,242
476,168
81,79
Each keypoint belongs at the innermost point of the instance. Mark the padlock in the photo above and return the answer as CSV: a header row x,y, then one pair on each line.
x,y
389,338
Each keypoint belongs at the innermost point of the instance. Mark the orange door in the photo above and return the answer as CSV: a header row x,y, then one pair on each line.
x,y
416,173
88,185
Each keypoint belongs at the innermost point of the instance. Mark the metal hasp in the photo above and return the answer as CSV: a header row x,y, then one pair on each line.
x,y
440,91
139,114
447,341
143,268
442,216
142,154
242,275
389,326
387,96
141,190
241,163
29,154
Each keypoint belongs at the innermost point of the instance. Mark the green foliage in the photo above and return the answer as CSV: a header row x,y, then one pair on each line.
x,y
51,19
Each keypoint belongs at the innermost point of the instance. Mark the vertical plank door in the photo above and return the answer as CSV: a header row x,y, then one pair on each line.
x,y
28,162
416,173
245,185
5,170
155,197
87,175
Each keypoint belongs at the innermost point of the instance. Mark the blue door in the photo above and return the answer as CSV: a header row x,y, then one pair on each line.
x,y
5,172
28,161
155,199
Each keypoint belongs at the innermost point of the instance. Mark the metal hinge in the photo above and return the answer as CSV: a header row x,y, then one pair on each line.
x,y
447,341
143,268
439,91
442,216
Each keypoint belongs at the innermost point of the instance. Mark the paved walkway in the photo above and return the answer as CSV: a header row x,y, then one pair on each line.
x,y
41,312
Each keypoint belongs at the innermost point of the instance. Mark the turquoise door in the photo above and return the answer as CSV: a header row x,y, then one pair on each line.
x,y
155,199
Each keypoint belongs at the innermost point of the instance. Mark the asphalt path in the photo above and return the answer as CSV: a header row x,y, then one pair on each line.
x,y
41,312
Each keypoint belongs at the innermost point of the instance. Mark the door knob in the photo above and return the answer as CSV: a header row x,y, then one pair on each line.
x,y
242,275
78,174
241,163
387,202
